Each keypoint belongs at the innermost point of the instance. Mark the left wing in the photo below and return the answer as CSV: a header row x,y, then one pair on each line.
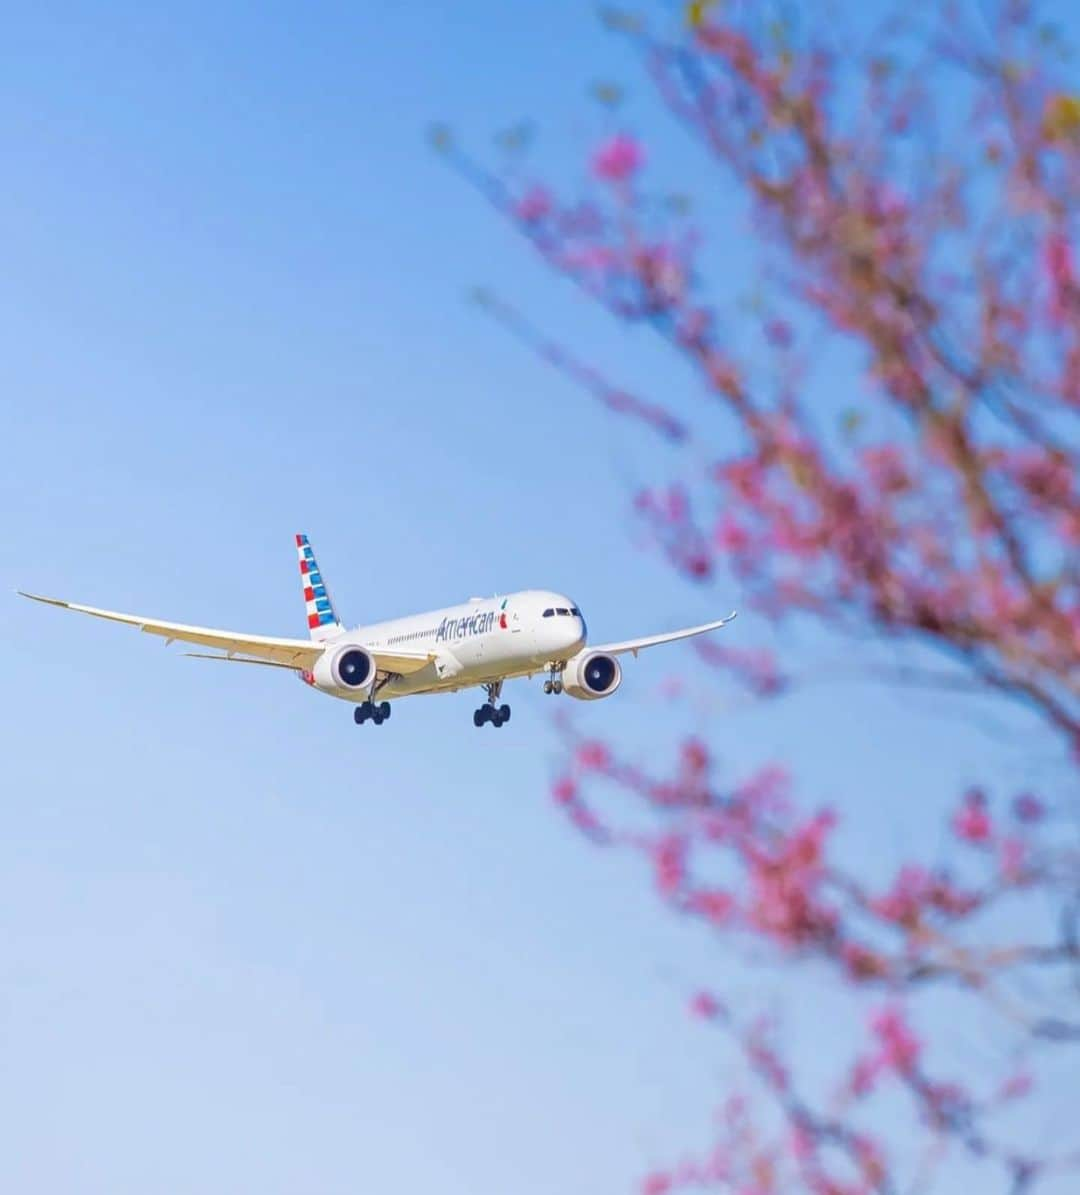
x,y
265,649
635,645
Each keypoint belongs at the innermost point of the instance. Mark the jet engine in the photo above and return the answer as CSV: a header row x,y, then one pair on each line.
x,y
349,667
591,675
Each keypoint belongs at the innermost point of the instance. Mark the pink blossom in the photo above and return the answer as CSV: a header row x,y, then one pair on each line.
x,y
656,1183
972,822
730,536
802,1143
778,333
695,757
902,904
864,1075
564,790
713,904
900,1047
885,467
765,1059
669,856
863,963
616,159
1058,262
1028,808
534,205
704,1006
870,1159
592,756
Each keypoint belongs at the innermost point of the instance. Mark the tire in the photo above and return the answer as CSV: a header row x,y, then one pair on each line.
x,y
384,709
557,687
504,713
478,718
359,715
377,718
496,719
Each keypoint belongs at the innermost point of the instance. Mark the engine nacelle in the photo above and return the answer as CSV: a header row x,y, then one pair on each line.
x,y
591,675
349,667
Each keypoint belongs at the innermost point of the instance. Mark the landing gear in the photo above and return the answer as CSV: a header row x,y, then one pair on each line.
x,y
554,684
489,711
377,711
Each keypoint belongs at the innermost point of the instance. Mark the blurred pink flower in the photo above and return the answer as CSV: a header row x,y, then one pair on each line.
x,y
534,205
900,1047
564,790
704,1006
695,757
972,822
592,756
669,855
616,159
713,904
1028,808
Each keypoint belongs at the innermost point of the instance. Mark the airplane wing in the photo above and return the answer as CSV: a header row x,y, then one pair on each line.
x,y
635,645
290,653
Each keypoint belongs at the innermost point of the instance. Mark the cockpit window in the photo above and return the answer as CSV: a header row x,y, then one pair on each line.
x,y
561,610
549,613
575,610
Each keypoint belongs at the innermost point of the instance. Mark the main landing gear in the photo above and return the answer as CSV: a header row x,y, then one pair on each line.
x,y
489,711
377,711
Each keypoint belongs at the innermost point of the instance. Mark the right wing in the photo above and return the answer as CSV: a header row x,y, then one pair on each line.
x,y
635,645
261,649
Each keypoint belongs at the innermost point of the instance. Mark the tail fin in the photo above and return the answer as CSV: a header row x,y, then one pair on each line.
x,y
322,619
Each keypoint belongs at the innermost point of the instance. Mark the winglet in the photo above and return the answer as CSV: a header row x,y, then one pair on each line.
x,y
36,597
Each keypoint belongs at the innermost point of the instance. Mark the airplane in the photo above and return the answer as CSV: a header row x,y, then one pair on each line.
x,y
481,643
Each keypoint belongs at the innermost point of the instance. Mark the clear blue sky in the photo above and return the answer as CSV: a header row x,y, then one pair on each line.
x,y
246,945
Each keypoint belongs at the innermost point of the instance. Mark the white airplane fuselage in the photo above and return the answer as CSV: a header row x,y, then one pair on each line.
x,y
479,641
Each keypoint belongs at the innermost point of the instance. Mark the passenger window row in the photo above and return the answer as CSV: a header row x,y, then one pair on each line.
x,y
410,637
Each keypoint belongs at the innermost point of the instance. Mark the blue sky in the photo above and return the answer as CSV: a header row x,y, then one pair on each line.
x,y
246,944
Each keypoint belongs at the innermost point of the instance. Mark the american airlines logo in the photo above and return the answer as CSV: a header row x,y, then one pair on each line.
x,y
463,628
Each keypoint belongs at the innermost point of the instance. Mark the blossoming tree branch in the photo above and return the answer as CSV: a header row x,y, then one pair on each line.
x,y
915,207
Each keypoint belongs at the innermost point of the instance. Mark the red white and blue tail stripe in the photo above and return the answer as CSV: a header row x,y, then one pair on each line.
x,y
322,620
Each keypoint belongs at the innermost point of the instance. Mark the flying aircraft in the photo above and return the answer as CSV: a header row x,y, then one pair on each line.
x,y
480,644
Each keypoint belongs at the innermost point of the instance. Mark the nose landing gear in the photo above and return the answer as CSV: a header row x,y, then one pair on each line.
x,y
489,711
376,711
554,683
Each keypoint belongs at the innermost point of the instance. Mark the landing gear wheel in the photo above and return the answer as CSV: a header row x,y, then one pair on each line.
x,y
556,686
478,718
548,686
368,710
504,714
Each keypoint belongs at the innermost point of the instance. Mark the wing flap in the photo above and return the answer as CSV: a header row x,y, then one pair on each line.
x,y
403,664
635,645
202,655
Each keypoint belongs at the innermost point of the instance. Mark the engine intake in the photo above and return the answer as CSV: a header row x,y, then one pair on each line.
x,y
350,667
592,675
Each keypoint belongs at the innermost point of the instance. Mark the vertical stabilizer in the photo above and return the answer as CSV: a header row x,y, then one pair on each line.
x,y
322,619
